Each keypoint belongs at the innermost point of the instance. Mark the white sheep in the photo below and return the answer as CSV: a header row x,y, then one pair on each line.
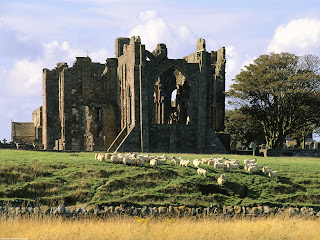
x,y
146,157
232,161
232,166
252,168
133,155
246,167
163,156
161,160
184,163
206,160
140,161
218,165
197,163
153,163
273,174
221,180
175,160
108,155
248,161
100,157
202,171
211,162
265,169
127,159
220,160
115,159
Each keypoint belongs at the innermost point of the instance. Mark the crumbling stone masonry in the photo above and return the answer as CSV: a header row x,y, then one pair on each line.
x,y
137,101
28,132
150,120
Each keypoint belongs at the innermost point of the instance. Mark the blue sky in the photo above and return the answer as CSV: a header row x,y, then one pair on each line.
x,y
38,34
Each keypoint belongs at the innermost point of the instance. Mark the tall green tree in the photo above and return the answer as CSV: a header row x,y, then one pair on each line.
x,y
242,127
281,92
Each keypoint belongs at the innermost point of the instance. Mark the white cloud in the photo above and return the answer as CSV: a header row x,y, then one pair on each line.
x,y
25,76
154,29
236,60
24,79
298,36
147,15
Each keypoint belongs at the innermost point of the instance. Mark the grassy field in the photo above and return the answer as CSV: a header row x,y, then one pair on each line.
x,y
77,178
185,228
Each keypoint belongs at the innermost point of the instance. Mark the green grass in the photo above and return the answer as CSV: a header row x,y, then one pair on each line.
x,y
77,178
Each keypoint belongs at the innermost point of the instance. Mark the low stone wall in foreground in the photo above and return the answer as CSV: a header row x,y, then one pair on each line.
x,y
145,211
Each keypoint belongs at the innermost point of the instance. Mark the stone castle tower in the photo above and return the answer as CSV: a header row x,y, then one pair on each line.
x,y
138,101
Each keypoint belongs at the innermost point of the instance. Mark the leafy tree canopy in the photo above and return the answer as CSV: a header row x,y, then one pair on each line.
x,y
243,127
281,92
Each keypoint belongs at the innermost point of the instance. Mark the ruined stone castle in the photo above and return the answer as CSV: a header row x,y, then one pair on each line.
x,y
138,101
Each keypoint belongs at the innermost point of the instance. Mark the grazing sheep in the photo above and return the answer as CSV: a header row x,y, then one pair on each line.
x,y
220,160
273,174
248,161
184,163
108,155
163,156
153,163
252,168
161,160
232,166
246,167
265,169
197,163
115,159
218,165
96,156
175,160
147,157
140,161
206,160
232,161
100,157
127,159
211,162
133,154
120,155
221,180
202,171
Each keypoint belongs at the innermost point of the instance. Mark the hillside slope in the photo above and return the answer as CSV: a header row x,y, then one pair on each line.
x,y
77,178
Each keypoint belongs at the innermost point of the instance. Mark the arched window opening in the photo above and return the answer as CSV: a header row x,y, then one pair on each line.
x,y
159,102
174,98
171,98
183,103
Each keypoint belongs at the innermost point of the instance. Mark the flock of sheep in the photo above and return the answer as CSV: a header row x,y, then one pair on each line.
x,y
251,166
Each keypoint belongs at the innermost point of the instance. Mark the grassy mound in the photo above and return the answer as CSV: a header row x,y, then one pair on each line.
x,y
77,178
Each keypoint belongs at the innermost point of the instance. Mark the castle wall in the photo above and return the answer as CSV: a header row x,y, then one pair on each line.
x,y
88,119
37,123
22,132
187,126
50,109
127,103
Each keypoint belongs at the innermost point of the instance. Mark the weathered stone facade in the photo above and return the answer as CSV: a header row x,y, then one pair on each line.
x,y
22,132
28,132
150,121
137,101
